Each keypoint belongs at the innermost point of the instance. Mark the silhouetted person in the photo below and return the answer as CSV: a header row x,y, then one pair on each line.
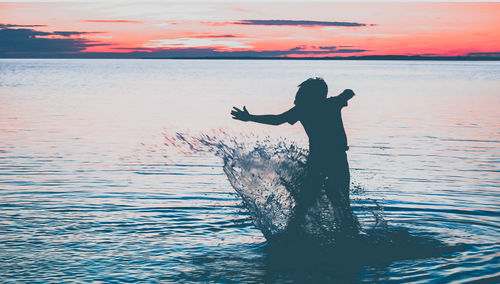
x,y
327,165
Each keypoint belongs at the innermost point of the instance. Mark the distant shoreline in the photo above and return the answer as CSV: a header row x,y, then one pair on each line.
x,y
368,57
373,57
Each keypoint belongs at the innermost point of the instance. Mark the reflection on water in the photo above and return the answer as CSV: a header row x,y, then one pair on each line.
x,y
89,190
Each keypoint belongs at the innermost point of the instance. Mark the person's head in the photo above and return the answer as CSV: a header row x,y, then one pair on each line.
x,y
311,91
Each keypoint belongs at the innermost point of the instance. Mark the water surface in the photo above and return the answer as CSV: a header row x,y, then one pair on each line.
x,y
90,192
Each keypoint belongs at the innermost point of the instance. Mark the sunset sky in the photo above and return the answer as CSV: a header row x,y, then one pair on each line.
x,y
260,29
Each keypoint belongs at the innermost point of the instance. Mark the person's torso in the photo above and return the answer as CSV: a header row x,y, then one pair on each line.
x,y
325,129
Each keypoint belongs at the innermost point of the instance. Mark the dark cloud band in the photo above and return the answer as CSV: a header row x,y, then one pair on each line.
x,y
20,26
32,43
60,33
298,23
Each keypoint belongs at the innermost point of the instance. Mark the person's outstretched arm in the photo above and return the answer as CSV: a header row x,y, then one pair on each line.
x,y
271,119
346,95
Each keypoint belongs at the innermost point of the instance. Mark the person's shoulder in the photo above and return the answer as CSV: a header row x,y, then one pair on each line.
x,y
334,102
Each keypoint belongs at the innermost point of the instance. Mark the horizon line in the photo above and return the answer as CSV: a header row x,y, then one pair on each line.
x,y
361,57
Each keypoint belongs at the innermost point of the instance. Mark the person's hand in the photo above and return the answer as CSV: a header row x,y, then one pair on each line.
x,y
347,94
239,114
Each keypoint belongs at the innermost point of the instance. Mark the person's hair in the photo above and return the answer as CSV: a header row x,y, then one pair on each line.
x,y
311,91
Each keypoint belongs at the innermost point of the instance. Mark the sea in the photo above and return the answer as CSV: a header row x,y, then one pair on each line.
x,y
118,170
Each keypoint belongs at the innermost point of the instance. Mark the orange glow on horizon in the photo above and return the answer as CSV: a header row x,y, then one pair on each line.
x,y
266,29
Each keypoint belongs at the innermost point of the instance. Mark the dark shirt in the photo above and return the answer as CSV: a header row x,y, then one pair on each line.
x,y
323,124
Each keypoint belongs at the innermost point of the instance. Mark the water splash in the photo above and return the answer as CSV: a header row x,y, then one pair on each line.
x,y
269,176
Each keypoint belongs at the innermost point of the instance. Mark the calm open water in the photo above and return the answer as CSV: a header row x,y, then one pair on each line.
x,y
90,192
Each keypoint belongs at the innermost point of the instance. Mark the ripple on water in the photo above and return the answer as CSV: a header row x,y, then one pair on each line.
x,y
89,191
